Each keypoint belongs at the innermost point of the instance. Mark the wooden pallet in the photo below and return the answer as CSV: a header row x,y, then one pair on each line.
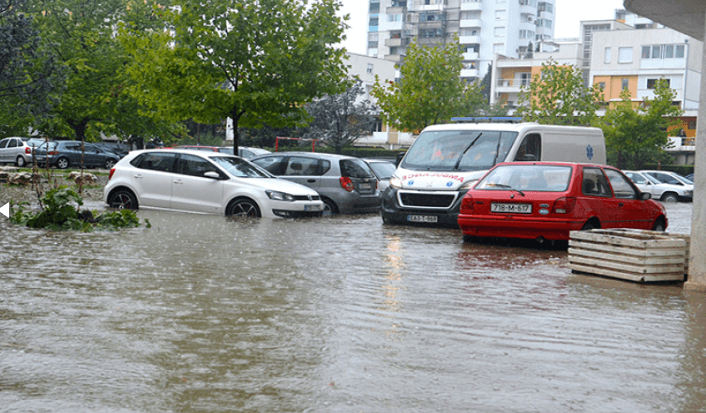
x,y
633,255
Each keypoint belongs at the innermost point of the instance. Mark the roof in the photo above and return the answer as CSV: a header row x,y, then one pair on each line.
x,y
686,16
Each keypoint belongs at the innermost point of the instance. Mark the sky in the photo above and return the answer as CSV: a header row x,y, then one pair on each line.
x,y
569,14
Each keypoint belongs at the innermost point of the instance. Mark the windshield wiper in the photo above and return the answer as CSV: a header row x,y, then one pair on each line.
x,y
466,150
503,186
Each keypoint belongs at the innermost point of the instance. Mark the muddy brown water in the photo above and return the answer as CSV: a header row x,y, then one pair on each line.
x,y
204,314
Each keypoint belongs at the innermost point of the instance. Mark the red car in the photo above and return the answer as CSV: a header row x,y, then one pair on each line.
x,y
546,200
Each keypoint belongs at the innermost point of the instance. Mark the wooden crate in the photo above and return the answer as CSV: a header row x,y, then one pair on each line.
x,y
634,255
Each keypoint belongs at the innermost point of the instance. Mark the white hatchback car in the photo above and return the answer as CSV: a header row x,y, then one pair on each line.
x,y
206,182
666,192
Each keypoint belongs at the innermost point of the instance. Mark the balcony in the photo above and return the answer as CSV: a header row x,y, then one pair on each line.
x,y
395,42
511,85
469,73
393,57
471,23
470,56
469,39
471,6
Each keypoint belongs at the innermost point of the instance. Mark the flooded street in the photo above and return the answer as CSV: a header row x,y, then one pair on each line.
x,y
343,314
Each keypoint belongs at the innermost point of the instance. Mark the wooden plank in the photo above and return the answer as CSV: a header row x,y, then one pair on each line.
x,y
637,269
661,252
626,276
623,241
627,258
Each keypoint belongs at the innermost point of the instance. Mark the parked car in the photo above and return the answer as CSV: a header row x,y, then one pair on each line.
x,y
547,200
690,177
118,149
206,182
346,184
664,192
383,170
64,154
674,178
243,151
15,150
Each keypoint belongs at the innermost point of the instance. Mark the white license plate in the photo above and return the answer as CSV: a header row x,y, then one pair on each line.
x,y
312,207
365,187
422,218
511,208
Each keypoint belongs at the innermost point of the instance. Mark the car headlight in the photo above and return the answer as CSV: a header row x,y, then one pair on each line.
x,y
467,185
279,196
395,182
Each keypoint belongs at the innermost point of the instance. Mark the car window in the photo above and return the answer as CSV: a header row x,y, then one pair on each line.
x,y
72,146
621,185
301,166
240,167
384,170
157,161
12,143
229,151
530,149
3,143
540,178
271,163
637,178
664,178
355,168
194,166
595,183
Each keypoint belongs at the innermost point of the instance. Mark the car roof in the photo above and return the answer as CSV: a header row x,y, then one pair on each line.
x,y
547,163
320,155
205,154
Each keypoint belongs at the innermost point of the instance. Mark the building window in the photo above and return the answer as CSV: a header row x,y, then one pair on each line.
x,y
601,85
656,52
606,55
679,52
625,55
394,17
369,70
500,14
498,47
625,84
652,82
373,22
374,8
499,31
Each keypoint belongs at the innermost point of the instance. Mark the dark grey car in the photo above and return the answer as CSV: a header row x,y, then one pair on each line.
x,y
346,184
63,154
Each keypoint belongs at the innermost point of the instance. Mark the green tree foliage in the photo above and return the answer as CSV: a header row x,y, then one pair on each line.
x,y
558,96
340,119
637,134
82,36
430,90
27,73
255,61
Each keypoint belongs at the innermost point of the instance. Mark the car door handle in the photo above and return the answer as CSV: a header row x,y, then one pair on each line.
x,y
178,181
311,180
620,204
138,176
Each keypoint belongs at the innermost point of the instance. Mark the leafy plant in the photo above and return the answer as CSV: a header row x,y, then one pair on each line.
x,y
60,211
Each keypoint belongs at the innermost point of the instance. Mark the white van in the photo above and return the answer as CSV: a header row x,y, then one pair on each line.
x,y
446,160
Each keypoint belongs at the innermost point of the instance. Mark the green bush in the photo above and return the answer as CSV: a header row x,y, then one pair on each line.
x,y
60,211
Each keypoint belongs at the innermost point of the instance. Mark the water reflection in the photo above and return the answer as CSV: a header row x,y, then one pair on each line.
x,y
201,313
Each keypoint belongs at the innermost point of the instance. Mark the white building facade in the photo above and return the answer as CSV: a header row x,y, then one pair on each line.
x,y
484,28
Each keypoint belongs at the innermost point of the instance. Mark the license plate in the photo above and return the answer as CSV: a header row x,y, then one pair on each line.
x,y
422,218
312,207
511,208
366,187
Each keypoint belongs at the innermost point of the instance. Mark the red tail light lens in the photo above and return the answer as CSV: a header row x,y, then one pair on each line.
x,y
564,205
28,150
110,175
467,204
347,184
52,153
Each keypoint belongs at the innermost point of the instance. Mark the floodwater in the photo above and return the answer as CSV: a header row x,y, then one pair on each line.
x,y
342,314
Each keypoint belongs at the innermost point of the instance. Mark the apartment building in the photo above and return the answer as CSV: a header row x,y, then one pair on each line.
x,y
484,28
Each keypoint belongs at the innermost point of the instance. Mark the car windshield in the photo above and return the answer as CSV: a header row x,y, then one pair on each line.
x,y
541,178
355,168
684,179
240,168
384,170
464,150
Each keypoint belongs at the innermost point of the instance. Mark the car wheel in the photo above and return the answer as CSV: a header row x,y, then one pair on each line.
x,y
122,199
109,163
20,162
243,208
670,197
329,208
589,226
659,226
62,163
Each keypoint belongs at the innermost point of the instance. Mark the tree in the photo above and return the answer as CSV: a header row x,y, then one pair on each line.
x,y
27,73
339,120
637,134
94,99
557,96
430,90
255,61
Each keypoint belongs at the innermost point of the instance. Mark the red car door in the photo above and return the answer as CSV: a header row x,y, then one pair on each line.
x,y
631,211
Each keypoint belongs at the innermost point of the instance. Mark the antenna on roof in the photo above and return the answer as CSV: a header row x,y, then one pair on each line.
x,y
487,119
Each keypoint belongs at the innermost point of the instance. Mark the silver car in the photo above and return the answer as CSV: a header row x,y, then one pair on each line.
x,y
665,192
346,184
15,150
383,170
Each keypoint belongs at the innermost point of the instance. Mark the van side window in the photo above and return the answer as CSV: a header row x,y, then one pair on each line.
x,y
530,149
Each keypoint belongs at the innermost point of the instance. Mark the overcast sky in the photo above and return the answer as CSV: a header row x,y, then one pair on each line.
x,y
568,15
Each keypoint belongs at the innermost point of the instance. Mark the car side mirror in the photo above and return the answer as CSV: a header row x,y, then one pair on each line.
x,y
399,157
212,175
645,195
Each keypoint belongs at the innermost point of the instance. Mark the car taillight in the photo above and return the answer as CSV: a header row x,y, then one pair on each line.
x,y
467,204
28,150
52,153
347,184
110,175
564,205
